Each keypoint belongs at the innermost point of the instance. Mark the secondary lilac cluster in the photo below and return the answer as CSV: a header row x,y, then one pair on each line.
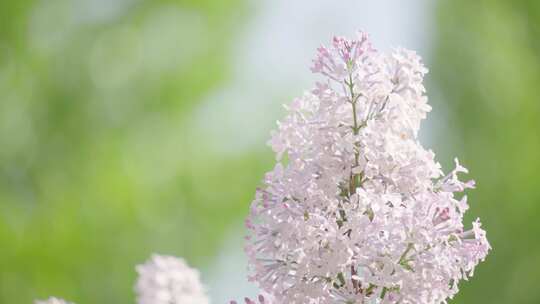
x,y
168,280
52,300
356,210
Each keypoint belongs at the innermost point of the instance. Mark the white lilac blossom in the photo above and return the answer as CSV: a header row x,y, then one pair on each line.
x,y
356,210
168,280
52,300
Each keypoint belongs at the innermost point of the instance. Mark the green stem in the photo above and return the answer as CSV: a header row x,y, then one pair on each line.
x,y
404,255
355,178
383,293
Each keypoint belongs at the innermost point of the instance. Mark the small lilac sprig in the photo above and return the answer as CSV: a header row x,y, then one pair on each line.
x,y
168,280
52,300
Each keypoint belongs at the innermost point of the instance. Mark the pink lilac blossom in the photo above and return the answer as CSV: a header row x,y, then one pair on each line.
x,y
356,210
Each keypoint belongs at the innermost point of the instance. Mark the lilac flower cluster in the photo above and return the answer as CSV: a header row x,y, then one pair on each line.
x,y
356,210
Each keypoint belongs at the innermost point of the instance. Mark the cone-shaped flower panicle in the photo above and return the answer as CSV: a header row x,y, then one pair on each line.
x,y
356,210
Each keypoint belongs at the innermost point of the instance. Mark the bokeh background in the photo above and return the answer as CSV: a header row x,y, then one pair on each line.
x,y
129,127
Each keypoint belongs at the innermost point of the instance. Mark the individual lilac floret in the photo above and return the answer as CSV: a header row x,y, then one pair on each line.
x,y
168,280
52,300
356,210
344,57
260,300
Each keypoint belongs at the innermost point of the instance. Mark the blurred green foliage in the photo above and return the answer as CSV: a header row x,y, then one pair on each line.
x,y
487,66
100,161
